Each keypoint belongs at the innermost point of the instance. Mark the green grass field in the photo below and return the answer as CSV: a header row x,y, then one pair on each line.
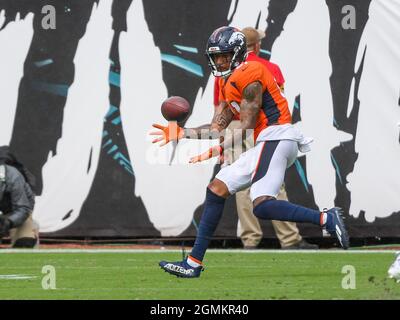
x,y
228,275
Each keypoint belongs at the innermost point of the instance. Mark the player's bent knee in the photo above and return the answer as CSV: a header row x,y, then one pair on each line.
x,y
219,188
25,243
258,201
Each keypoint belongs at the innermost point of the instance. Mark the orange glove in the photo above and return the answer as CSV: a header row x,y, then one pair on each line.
x,y
210,153
166,134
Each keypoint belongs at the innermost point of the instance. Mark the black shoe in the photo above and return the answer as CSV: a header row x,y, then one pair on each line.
x,y
302,245
181,269
335,226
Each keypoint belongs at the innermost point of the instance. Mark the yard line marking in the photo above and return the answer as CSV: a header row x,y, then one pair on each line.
x,y
16,276
257,251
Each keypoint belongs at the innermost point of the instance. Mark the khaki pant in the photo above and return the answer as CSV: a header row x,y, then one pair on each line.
x,y
249,229
27,230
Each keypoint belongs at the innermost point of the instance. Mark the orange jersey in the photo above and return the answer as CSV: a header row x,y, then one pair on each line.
x,y
274,108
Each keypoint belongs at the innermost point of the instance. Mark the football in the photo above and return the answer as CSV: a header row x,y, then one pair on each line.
x,y
175,109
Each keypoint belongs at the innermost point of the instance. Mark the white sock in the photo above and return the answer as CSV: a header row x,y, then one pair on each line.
x,y
193,263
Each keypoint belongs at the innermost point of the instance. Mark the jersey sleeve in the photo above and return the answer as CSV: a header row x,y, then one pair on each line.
x,y
244,75
253,72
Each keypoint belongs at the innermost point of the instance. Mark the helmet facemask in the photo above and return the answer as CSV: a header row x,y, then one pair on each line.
x,y
234,62
226,40
215,68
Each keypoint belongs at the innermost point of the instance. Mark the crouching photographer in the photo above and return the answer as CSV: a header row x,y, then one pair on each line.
x,y
16,202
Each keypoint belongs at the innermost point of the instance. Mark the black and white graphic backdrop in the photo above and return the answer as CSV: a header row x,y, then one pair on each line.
x,y
78,101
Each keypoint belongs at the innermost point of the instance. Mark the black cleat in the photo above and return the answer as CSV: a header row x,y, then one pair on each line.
x,y
335,226
181,269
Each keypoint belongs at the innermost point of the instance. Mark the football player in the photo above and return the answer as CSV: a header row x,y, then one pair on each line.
x,y
251,92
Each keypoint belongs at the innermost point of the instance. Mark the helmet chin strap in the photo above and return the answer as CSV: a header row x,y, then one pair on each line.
x,y
222,74
214,69
225,73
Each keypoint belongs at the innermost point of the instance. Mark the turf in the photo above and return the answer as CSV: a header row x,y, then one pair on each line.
x,y
228,275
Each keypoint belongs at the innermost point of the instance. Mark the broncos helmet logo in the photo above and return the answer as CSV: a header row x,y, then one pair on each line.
x,y
237,38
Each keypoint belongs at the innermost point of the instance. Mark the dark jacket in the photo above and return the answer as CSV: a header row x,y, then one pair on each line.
x,y
16,197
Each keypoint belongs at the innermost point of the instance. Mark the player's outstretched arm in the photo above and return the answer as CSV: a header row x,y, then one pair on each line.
x,y
249,109
221,119
223,116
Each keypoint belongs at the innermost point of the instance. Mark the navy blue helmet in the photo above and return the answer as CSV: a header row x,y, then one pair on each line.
x,y
226,40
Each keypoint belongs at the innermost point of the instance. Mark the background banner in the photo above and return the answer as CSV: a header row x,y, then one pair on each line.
x,y
78,102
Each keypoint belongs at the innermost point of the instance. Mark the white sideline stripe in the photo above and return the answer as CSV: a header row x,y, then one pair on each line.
x,y
16,276
339,251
